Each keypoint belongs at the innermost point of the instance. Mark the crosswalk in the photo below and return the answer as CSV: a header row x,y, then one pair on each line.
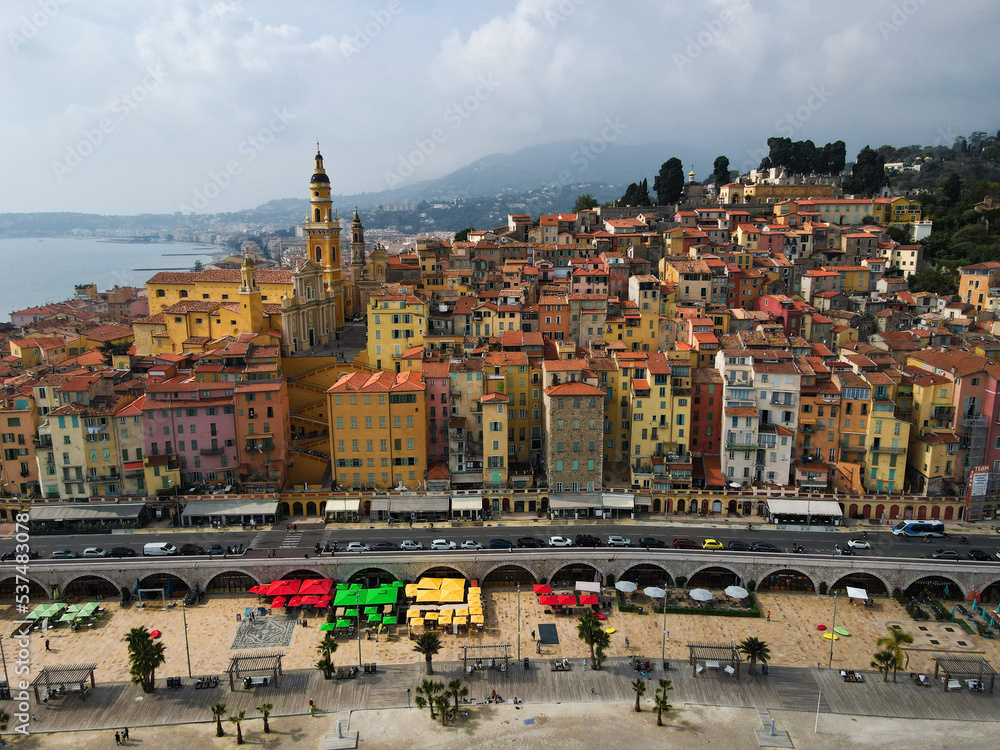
x,y
277,539
292,539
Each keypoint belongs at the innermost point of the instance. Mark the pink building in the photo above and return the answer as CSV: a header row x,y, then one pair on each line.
x,y
436,380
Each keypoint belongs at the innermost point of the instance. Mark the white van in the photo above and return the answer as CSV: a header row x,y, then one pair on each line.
x,y
159,548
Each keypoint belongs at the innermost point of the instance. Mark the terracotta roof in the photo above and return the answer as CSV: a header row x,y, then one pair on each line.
x,y
574,389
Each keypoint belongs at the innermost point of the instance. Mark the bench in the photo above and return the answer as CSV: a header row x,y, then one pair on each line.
x,y
252,682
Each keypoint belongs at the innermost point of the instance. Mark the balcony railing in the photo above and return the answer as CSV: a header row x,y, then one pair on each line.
x,y
887,449
740,446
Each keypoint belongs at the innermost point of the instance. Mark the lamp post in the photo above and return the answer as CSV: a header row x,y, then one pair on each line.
x,y
663,653
187,649
519,622
407,697
833,630
357,599
3,656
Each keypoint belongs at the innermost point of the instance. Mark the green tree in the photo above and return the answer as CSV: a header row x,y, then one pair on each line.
x,y
899,234
669,183
951,188
868,219
445,710
326,649
883,661
237,719
144,655
218,710
428,644
427,691
868,173
265,713
755,650
198,267
893,641
602,642
4,721
587,628
661,700
462,235
457,690
720,173
941,281
639,688
111,350
584,202
637,194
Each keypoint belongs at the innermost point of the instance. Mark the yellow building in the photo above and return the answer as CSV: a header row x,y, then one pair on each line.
x,y
396,322
896,212
887,438
496,465
378,430
933,447
854,279
323,238
512,374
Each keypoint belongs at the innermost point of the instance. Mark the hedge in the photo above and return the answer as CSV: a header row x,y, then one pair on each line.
x,y
753,611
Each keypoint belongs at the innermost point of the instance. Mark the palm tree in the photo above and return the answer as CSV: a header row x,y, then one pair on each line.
x,y
428,644
457,690
587,629
661,700
755,650
217,711
144,656
236,719
883,661
639,687
602,642
4,721
427,691
326,648
265,713
445,710
893,642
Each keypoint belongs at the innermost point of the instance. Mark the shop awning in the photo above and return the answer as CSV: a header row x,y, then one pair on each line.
x,y
342,505
202,508
576,500
413,503
784,507
618,501
466,502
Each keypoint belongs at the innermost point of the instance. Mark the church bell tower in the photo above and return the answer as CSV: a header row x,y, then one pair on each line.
x,y
322,230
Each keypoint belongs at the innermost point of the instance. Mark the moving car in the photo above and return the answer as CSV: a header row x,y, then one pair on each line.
x,y
587,540
712,544
121,552
838,550
650,543
470,544
684,543
95,552
443,544
63,554
409,544
859,544
383,547
530,542
619,541
357,547
192,549
500,544
978,555
159,548
945,554
738,546
560,541
763,547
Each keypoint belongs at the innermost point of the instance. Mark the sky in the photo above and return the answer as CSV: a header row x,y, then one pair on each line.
x,y
118,107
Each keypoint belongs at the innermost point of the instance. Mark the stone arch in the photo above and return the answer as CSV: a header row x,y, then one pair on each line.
x,y
297,508
873,584
907,512
442,571
35,589
866,510
300,574
714,577
949,513
655,507
508,575
893,511
935,584
371,577
990,593
853,510
573,572
879,510
171,583
311,508
285,510
648,574
733,508
922,513
680,505
786,579
91,586
230,582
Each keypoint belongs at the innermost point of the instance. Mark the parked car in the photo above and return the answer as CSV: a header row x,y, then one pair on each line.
x,y
157,549
945,554
409,544
215,549
443,544
500,544
192,549
764,547
587,540
63,554
357,547
684,543
95,552
530,542
650,543
712,544
978,555
738,546
560,541
383,547
122,552
838,550
470,544
619,541
859,544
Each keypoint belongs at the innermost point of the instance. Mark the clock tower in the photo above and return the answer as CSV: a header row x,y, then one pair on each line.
x,y
322,230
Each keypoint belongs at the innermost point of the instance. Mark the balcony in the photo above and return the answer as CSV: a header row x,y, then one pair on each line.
x,y
97,478
807,429
740,446
885,449
943,412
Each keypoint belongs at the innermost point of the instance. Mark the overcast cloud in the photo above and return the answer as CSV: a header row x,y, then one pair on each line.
x,y
110,106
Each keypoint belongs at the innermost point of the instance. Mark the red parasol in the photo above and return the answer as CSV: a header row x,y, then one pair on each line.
x,y
284,588
316,586
278,601
567,600
588,599
548,600
543,588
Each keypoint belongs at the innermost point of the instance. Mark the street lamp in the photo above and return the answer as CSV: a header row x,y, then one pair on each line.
x,y
519,622
357,599
187,649
663,651
407,697
833,629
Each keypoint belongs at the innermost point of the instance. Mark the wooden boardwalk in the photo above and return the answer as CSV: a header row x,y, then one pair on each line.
x,y
784,688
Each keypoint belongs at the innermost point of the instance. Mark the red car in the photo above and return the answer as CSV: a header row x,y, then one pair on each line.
x,y
682,543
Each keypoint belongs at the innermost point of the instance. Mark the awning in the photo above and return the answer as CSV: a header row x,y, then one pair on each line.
x,y
856,593
413,503
342,505
784,507
199,508
619,501
87,512
592,586
466,502
581,500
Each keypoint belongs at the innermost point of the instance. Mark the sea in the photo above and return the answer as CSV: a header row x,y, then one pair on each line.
x,y
36,271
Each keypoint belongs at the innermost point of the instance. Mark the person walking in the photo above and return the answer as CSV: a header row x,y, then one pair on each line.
x,y
47,646
769,615
626,641
118,738
125,735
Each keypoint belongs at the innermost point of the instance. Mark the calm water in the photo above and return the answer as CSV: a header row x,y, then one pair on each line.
x,y
36,271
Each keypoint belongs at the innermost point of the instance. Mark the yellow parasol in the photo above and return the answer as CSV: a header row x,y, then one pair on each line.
x,y
475,590
416,622
462,612
461,621
453,596
428,596
411,590
478,620
444,617
474,610
431,616
412,612
453,583
429,583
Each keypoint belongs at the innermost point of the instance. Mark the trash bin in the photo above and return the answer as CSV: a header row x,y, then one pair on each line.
x,y
526,663
763,668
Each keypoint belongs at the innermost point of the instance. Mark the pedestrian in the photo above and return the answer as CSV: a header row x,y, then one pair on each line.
x,y
626,641
47,646
118,738
532,635
538,647
125,735
769,615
